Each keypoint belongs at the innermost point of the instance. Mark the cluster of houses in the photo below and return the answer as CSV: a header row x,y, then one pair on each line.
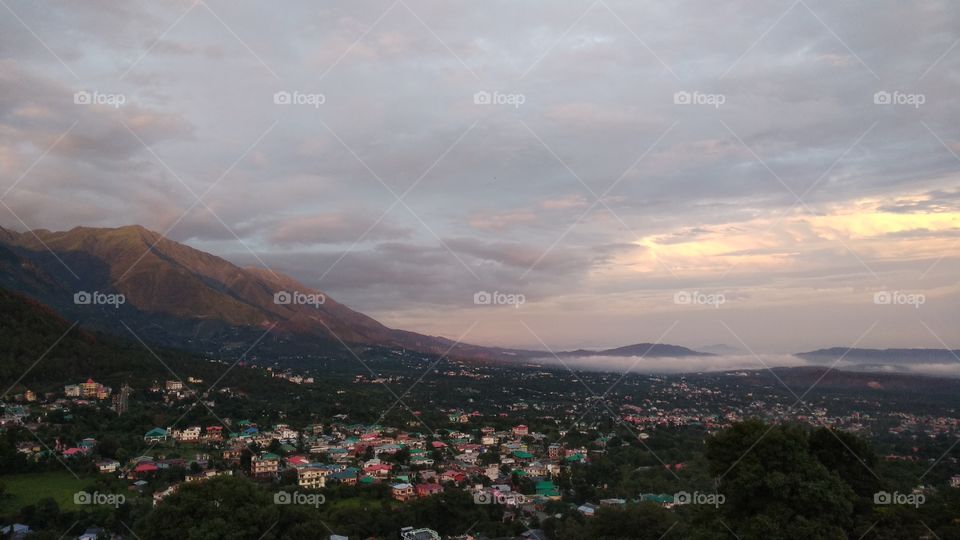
x,y
87,390
290,376
368,454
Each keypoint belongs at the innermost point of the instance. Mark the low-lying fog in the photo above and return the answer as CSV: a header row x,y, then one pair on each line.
x,y
696,364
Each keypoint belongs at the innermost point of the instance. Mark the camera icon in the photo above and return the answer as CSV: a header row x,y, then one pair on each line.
x,y
683,298
682,98
82,98
482,98
482,298
882,497
682,497
82,298
282,497
882,98
282,98
82,497
882,298
482,497
282,298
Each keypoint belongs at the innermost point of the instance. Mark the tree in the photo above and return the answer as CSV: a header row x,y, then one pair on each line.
x,y
774,487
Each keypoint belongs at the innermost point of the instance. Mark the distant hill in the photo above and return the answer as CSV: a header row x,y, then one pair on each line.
x,y
720,349
653,350
890,357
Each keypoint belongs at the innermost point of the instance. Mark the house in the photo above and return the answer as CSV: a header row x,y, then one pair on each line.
x,y
145,468
155,435
587,509
17,531
547,489
75,452
347,476
92,533
161,495
409,533
520,431
205,475
426,490
214,433
402,492
523,457
382,469
453,476
108,466
955,481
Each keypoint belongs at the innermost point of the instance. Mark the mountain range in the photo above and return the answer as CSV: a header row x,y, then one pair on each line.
x,y
175,295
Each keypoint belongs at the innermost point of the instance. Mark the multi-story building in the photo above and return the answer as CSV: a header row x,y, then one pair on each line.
x,y
403,492
190,434
265,465
312,477
121,401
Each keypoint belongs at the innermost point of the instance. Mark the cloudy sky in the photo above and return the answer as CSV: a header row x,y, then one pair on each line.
x,y
775,176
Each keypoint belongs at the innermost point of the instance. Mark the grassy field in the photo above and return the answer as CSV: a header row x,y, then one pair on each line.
x,y
24,489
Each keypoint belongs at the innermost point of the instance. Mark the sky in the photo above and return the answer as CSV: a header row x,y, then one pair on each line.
x,y
777,176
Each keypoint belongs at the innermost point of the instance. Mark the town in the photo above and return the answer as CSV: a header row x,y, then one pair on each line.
x,y
523,455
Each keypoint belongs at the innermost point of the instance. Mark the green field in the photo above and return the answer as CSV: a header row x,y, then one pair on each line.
x,y
24,489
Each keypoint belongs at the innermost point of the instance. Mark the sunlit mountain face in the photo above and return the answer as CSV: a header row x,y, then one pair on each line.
x,y
619,167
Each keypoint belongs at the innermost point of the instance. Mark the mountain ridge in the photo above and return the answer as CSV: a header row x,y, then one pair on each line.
x,y
178,295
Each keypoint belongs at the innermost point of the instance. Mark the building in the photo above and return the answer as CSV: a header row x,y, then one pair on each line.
x,y
89,389
155,435
265,465
521,431
588,509
955,481
409,533
402,492
426,490
121,401
190,434
173,386
312,477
